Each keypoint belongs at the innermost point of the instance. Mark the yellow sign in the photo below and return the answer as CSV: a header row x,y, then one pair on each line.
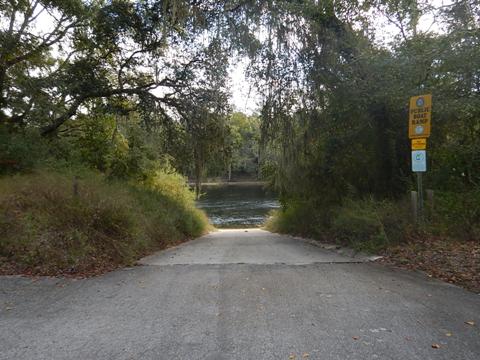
x,y
419,144
420,116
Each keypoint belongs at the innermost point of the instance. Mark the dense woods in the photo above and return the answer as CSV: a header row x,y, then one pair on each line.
x,y
137,93
339,130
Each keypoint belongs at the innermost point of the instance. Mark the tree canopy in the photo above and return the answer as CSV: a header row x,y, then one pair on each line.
x,y
334,96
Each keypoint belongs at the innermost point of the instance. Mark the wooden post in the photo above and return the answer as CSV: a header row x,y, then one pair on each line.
x,y
430,202
420,216
414,205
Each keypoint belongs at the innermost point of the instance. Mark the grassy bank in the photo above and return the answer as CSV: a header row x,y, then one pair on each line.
x,y
52,224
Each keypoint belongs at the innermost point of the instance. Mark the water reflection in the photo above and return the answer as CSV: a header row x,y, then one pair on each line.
x,y
236,205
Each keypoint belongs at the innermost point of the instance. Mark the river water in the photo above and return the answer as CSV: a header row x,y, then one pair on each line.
x,y
237,205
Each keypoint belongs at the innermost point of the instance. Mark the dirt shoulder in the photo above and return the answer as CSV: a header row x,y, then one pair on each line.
x,y
457,262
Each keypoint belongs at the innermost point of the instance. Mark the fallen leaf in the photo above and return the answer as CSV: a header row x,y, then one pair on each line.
x,y
471,323
355,337
448,334
435,346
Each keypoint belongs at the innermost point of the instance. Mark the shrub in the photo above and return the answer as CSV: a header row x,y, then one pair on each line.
x,y
21,151
177,211
359,225
396,218
367,225
372,225
458,214
299,217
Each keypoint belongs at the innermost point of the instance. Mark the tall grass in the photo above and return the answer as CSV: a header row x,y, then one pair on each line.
x,y
49,225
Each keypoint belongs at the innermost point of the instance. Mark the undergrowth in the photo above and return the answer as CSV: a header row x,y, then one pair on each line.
x,y
372,225
53,222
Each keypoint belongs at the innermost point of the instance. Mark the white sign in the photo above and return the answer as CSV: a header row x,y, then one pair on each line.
x,y
419,160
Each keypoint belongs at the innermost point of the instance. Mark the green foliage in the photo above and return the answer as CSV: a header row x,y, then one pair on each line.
x,y
48,74
244,138
49,225
371,225
458,214
299,218
176,193
228,146
21,151
366,225
132,204
207,135
333,122
360,227
342,133
97,142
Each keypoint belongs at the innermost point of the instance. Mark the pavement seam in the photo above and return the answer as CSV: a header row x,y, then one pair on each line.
x,y
257,264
